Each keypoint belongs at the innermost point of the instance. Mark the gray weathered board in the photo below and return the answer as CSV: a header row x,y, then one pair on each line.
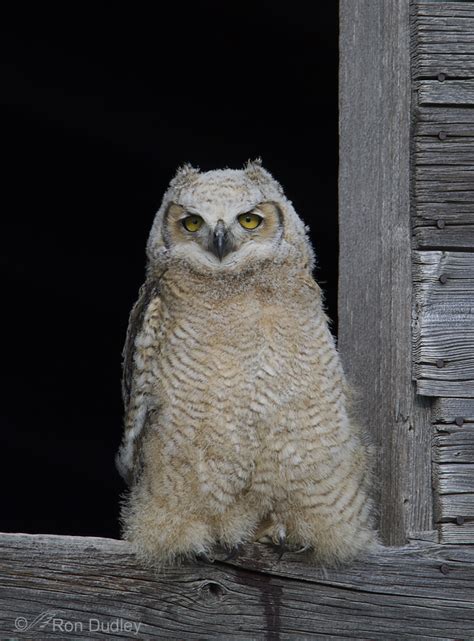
x,y
422,592
444,321
375,275
442,50
443,116
443,35
453,469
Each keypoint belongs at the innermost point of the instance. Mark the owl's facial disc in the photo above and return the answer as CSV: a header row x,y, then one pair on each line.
x,y
224,236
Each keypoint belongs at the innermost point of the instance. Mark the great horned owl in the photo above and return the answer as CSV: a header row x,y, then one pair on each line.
x,y
236,422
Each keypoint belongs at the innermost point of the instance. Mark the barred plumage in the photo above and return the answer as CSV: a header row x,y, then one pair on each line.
x,y
236,405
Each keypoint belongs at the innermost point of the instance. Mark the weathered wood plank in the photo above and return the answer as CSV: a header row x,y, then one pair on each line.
x,y
428,266
444,192
454,120
446,212
375,266
450,507
443,185
444,347
449,92
448,23
447,177
455,534
431,61
444,326
460,237
454,445
419,592
453,478
427,387
448,410
450,151
447,9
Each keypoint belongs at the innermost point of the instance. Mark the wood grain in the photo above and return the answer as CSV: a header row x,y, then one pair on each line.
x,y
453,478
443,178
427,387
457,535
375,265
449,92
454,445
444,328
444,39
422,591
447,410
450,507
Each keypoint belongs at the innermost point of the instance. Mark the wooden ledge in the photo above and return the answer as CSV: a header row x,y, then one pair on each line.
x,y
67,587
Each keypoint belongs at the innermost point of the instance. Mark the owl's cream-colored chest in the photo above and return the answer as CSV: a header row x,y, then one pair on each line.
x,y
243,354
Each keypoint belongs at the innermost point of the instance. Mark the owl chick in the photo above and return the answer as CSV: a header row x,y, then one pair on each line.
x,y
236,422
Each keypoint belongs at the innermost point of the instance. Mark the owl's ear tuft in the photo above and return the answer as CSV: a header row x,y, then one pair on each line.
x,y
184,175
253,168
257,174
255,162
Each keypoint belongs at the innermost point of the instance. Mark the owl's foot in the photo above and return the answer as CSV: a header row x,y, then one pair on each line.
x,y
278,540
234,552
205,557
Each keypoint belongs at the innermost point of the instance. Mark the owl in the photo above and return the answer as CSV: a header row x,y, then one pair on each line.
x,y
236,406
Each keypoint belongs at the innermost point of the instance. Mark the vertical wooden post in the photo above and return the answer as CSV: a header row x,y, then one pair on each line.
x,y
375,282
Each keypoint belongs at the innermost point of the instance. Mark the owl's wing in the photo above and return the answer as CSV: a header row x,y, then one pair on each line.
x,y
139,352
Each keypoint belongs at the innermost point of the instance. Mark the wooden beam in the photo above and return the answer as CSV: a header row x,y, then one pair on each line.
x,y
422,591
375,263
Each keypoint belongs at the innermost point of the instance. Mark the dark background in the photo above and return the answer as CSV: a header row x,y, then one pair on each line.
x,y
98,113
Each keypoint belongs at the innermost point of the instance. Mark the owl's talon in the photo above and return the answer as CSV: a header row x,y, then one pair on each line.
x,y
234,552
204,557
303,549
282,547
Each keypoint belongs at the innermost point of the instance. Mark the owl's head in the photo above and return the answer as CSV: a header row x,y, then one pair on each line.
x,y
227,220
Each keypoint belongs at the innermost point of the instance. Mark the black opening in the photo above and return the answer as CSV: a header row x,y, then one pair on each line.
x,y
100,110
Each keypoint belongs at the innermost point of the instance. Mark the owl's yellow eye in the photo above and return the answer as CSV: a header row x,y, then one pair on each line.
x,y
192,223
249,221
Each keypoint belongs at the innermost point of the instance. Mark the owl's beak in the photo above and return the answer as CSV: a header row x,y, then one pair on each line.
x,y
221,243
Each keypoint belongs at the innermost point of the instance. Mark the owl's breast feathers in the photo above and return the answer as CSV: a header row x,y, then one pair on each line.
x,y
217,356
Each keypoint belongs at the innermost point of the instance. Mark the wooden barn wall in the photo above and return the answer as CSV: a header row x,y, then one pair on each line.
x,y
443,256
